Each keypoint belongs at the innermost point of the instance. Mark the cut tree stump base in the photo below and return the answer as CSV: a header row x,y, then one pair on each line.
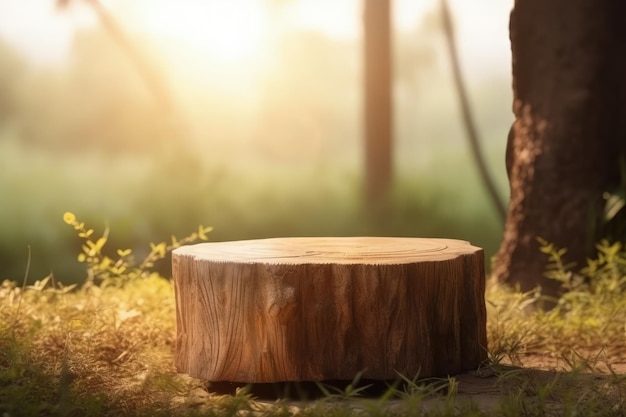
x,y
317,309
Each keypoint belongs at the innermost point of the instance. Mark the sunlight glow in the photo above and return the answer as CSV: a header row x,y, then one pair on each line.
x,y
336,19
232,32
221,31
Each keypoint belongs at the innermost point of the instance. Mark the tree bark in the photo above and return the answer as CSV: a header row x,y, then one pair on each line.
x,y
564,147
315,309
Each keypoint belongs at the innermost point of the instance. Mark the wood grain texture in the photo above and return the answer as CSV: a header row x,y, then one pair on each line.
x,y
314,309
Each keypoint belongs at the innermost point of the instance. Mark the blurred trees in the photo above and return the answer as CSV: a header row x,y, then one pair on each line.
x,y
378,111
279,143
11,70
96,104
145,69
308,98
476,145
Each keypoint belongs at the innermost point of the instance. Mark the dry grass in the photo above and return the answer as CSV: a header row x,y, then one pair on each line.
x,y
111,347
107,350
585,330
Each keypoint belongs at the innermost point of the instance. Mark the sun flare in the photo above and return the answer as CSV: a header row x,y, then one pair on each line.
x,y
218,31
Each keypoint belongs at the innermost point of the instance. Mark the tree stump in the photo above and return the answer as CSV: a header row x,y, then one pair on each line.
x,y
316,309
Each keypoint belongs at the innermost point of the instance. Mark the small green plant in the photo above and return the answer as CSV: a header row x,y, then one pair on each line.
x,y
105,270
352,390
602,280
587,320
612,220
103,348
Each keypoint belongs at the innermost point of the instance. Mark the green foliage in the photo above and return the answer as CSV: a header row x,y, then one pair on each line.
x,y
352,390
106,271
98,349
611,221
585,326
601,281
252,202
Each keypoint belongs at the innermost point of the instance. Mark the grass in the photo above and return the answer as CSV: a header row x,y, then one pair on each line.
x,y
105,348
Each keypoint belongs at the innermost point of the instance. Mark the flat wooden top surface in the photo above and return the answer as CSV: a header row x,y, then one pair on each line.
x,y
329,250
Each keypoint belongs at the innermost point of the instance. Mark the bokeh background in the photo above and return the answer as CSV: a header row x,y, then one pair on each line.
x,y
255,126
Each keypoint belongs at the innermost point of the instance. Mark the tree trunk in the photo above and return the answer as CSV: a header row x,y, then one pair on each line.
x,y
315,309
563,150
378,102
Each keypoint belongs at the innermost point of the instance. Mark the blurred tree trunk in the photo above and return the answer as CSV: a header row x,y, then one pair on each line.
x,y
146,70
466,111
378,102
564,148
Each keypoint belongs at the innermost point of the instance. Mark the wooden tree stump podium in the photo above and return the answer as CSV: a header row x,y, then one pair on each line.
x,y
315,309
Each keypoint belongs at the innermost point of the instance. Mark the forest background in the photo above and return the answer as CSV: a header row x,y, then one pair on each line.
x,y
260,137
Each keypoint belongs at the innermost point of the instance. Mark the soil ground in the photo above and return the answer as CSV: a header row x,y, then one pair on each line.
x,y
485,388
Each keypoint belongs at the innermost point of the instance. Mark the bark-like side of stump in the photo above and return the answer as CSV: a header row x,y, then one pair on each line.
x,y
315,309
